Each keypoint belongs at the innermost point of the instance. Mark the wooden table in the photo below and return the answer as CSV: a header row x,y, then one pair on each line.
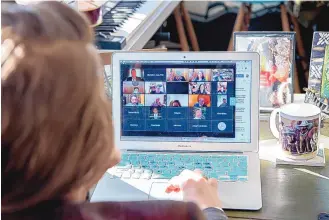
x,y
290,192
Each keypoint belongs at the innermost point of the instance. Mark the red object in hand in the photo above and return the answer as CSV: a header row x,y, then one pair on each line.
x,y
177,189
171,188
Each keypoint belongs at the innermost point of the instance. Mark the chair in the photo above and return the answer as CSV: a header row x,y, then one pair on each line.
x,y
180,14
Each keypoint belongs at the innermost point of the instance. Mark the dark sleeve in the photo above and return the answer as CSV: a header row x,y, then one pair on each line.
x,y
214,214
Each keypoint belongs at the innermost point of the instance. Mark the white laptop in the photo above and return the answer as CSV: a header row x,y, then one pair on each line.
x,y
180,110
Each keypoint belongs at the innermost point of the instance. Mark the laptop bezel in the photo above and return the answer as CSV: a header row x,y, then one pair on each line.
x,y
117,57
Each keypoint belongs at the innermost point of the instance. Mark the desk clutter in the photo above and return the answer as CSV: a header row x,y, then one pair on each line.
x,y
299,125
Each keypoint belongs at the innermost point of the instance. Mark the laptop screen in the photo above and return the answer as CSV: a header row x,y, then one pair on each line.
x,y
186,101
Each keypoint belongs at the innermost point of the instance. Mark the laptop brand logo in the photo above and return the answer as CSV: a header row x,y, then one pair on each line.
x,y
184,146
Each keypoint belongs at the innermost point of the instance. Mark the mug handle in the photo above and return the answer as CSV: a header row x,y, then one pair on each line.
x,y
273,127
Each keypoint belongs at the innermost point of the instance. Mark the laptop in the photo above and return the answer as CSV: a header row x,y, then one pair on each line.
x,y
184,110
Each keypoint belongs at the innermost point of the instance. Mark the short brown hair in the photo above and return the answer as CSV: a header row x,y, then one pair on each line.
x,y
56,127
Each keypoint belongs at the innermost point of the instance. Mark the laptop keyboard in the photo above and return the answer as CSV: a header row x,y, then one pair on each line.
x,y
166,166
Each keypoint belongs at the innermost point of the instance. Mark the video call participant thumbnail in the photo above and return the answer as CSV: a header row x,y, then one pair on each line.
x,y
222,87
177,81
180,100
155,113
222,101
199,101
135,74
155,87
200,88
133,87
177,75
223,75
177,107
175,103
199,113
155,100
199,75
177,87
133,100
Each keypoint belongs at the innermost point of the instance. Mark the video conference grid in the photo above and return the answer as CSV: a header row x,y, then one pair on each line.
x,y
190,100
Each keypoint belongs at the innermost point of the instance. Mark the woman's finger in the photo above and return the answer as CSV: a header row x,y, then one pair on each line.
x,y
198,171
213,182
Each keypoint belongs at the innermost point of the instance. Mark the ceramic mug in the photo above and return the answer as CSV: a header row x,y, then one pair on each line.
x,y
299,129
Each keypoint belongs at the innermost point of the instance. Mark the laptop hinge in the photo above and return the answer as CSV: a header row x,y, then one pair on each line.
x,y
182,151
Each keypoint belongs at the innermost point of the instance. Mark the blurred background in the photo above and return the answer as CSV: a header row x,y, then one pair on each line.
x,y
214,21
201,25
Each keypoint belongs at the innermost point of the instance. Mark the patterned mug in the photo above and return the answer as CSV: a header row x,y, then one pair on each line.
x,y
299,130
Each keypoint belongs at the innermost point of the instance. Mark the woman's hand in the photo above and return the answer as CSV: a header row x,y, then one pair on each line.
x,y
201,191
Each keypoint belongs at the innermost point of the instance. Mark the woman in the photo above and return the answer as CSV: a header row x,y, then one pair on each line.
x,y
157,103
171,75
155,113
202,89
56,128
200,77
193,88
175,103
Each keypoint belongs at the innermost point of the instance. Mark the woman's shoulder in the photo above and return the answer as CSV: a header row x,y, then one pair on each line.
x,y
143,210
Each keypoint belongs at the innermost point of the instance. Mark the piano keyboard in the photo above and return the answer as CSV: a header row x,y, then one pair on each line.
x,y
121,21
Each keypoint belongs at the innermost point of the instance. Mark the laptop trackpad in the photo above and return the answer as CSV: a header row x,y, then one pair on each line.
x,y
117,189
158,191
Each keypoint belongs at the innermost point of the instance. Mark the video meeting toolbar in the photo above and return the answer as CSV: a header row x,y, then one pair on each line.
x,y
178,100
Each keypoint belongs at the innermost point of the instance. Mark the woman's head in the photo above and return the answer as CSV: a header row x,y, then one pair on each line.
x,y
198,113
155,110
201,88
56,124
176,103
200,75
171,73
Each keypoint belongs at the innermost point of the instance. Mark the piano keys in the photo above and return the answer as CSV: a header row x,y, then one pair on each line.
x,y
128,25
109,33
